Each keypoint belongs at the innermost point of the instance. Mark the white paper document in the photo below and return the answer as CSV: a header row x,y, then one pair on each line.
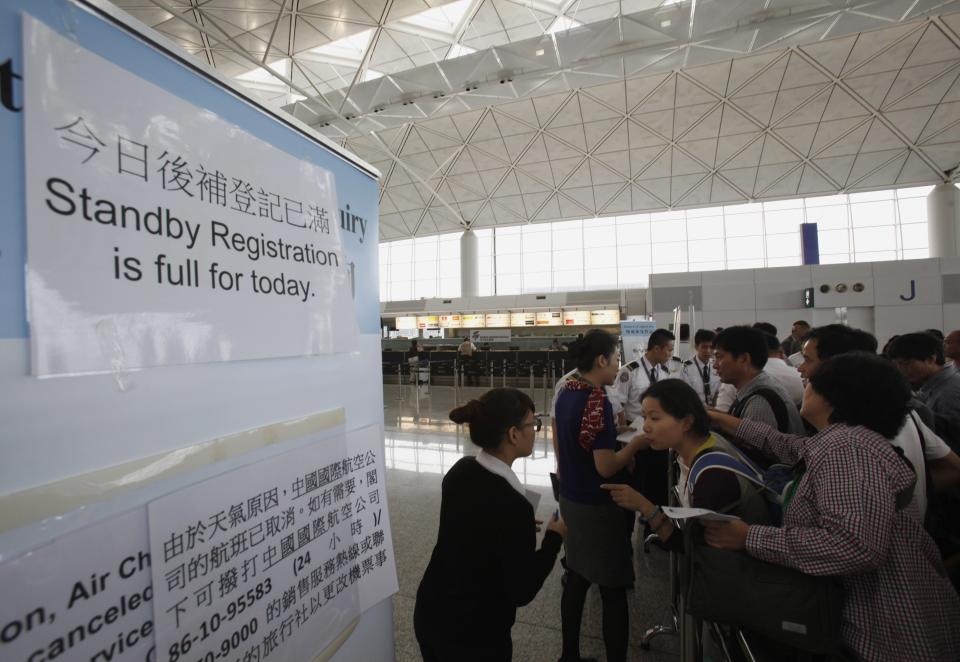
x,y
697,513
627,435
534,498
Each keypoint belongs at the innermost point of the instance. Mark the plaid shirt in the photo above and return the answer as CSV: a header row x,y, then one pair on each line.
x,y
843,521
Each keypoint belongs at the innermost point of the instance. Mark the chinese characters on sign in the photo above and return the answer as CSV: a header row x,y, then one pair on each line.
x,y
159,233
271,561
176,175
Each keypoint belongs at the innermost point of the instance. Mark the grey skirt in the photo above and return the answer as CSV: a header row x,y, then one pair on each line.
x,y
597,545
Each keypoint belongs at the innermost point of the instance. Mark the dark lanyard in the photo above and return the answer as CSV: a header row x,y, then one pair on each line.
x,y
651,378
705,376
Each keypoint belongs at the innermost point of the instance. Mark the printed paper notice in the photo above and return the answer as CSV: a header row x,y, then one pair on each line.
x,y
84,596
159,233
275,559
697,513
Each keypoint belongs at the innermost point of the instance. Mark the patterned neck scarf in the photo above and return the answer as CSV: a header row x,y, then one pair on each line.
x,y
592,422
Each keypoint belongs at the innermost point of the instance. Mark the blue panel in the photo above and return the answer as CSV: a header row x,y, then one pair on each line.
x,y
354,187
809,243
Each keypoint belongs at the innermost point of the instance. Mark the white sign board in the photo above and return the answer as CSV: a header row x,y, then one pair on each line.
x,y
487,336
159,233
635,334
86,595
273,559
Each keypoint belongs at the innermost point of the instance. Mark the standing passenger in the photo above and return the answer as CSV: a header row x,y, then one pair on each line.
x,y
841,516
631,381
598,549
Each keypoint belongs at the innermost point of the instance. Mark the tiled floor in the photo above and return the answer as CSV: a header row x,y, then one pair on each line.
x,y
420,447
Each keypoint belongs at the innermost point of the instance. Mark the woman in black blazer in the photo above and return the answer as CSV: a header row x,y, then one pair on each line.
x,y
485,563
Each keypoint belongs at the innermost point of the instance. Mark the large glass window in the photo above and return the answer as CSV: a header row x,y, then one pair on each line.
x,y
622,251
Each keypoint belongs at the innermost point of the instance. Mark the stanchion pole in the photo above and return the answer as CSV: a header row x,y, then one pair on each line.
x,y
503,369
456,389
533,393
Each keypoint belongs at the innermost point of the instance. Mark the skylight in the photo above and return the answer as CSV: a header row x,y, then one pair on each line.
x,y
347,50
459,49
562,24
261,75
443,19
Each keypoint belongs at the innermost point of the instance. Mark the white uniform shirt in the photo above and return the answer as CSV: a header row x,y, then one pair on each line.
x,y
908,439
632,380
788,376
692,374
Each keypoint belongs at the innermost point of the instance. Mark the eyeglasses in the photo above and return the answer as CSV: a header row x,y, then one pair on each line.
x,y
536,423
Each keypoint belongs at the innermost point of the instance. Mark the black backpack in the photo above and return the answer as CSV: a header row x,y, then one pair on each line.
x,y
773,399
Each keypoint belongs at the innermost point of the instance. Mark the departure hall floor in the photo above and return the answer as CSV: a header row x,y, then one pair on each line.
x,y
421,445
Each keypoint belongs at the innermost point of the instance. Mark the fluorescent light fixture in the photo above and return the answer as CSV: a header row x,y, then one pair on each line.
x,y
538,52
562,24
665,23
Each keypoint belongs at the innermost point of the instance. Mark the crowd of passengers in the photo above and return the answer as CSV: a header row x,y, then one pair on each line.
x,y
869,503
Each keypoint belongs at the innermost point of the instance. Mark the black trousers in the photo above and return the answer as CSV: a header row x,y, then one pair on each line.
x,y
439,644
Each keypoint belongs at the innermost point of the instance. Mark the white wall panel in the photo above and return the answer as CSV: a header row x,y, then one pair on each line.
x,y
895,320
781,288
729,290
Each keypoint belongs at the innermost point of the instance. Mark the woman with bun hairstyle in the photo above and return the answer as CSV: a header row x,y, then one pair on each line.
x,y
598,549
485,563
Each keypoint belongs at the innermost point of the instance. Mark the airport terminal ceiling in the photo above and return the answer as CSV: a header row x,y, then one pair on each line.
x,y
500,112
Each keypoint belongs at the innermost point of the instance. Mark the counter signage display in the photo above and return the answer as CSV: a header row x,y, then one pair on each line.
x,y
428,321
405,323
550,318
605,317
155,227
473,321
450,321
523,319
273,559
494,320
576,317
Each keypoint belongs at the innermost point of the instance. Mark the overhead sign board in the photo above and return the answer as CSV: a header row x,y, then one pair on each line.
x,y
576,317
523,319
494,320
550,318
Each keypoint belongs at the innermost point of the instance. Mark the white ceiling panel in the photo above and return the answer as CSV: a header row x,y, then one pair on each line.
x,y
475,116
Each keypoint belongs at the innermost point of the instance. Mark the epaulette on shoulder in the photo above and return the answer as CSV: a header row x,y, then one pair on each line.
x,y
677,359
688,362
633,365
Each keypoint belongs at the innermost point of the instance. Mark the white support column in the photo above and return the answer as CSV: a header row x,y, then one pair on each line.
x,y
469,265
943,221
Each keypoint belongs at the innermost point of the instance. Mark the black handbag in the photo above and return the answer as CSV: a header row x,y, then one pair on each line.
x,y
783,604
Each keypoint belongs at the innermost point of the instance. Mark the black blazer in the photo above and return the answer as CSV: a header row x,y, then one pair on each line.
x,y
485,563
